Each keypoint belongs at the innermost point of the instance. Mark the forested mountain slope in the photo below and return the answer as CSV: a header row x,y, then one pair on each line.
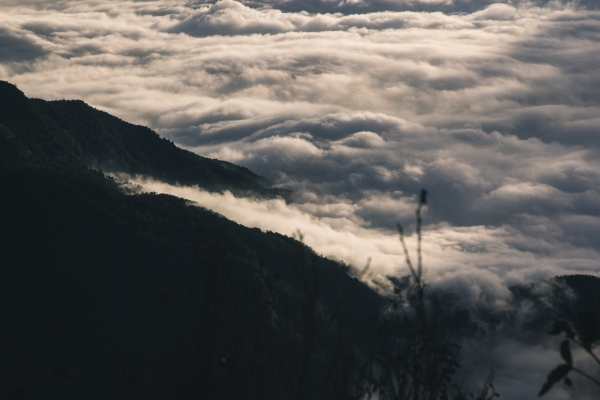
x,y
71,136
104,294
109,295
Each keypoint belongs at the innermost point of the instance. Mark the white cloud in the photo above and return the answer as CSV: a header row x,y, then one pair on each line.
x,y
494,111
492,106
476,259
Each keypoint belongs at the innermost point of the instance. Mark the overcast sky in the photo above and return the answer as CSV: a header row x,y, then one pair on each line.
x,y
493,106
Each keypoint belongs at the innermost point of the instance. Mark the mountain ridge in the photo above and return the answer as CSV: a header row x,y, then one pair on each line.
x,y
94,281
71,135
100,288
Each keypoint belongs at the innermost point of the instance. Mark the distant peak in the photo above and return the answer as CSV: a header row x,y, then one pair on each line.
x,y
10,88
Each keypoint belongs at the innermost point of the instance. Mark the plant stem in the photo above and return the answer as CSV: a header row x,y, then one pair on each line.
x,y
588,350
591,378
406,255
591,353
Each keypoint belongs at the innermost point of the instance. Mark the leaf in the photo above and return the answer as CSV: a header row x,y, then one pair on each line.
x,y
554,376
565,351
558,373
547,386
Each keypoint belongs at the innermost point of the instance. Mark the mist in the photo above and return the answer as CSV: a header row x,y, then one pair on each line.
x,y
473,265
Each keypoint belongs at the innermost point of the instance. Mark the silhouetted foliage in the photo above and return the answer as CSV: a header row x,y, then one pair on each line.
x,y
586,333
415,359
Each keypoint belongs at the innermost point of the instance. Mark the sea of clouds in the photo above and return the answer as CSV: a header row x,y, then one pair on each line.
x,y
492,106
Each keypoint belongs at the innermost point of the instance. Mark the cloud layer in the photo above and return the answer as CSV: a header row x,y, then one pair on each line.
x,y
474,263
496,112
493,106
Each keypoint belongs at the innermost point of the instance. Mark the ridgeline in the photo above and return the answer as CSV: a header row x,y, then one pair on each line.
x,y
109,295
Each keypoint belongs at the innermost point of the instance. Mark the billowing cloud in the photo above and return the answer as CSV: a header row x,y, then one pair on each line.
x,y
494,111
492,106
368,6
492,256
477,264
16,48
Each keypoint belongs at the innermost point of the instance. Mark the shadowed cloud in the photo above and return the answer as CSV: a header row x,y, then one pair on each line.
x,y
356,106
18,48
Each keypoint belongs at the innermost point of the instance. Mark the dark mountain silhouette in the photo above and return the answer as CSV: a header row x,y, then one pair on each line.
x,y
71,136
93,279
109,295
587,290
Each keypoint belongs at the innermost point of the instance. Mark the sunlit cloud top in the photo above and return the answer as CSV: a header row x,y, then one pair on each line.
x,y
355,106
493,106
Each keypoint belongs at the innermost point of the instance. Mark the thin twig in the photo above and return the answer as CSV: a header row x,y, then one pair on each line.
x,y
420,260
406,255
588,350
591,353
591,378
422,202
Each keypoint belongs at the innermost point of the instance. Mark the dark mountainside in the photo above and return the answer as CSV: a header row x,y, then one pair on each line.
x,y
70,136
105,295
108,295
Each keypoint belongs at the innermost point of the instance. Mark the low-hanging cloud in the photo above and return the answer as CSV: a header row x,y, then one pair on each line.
x,y
475,264
356,106
475,259
494,111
